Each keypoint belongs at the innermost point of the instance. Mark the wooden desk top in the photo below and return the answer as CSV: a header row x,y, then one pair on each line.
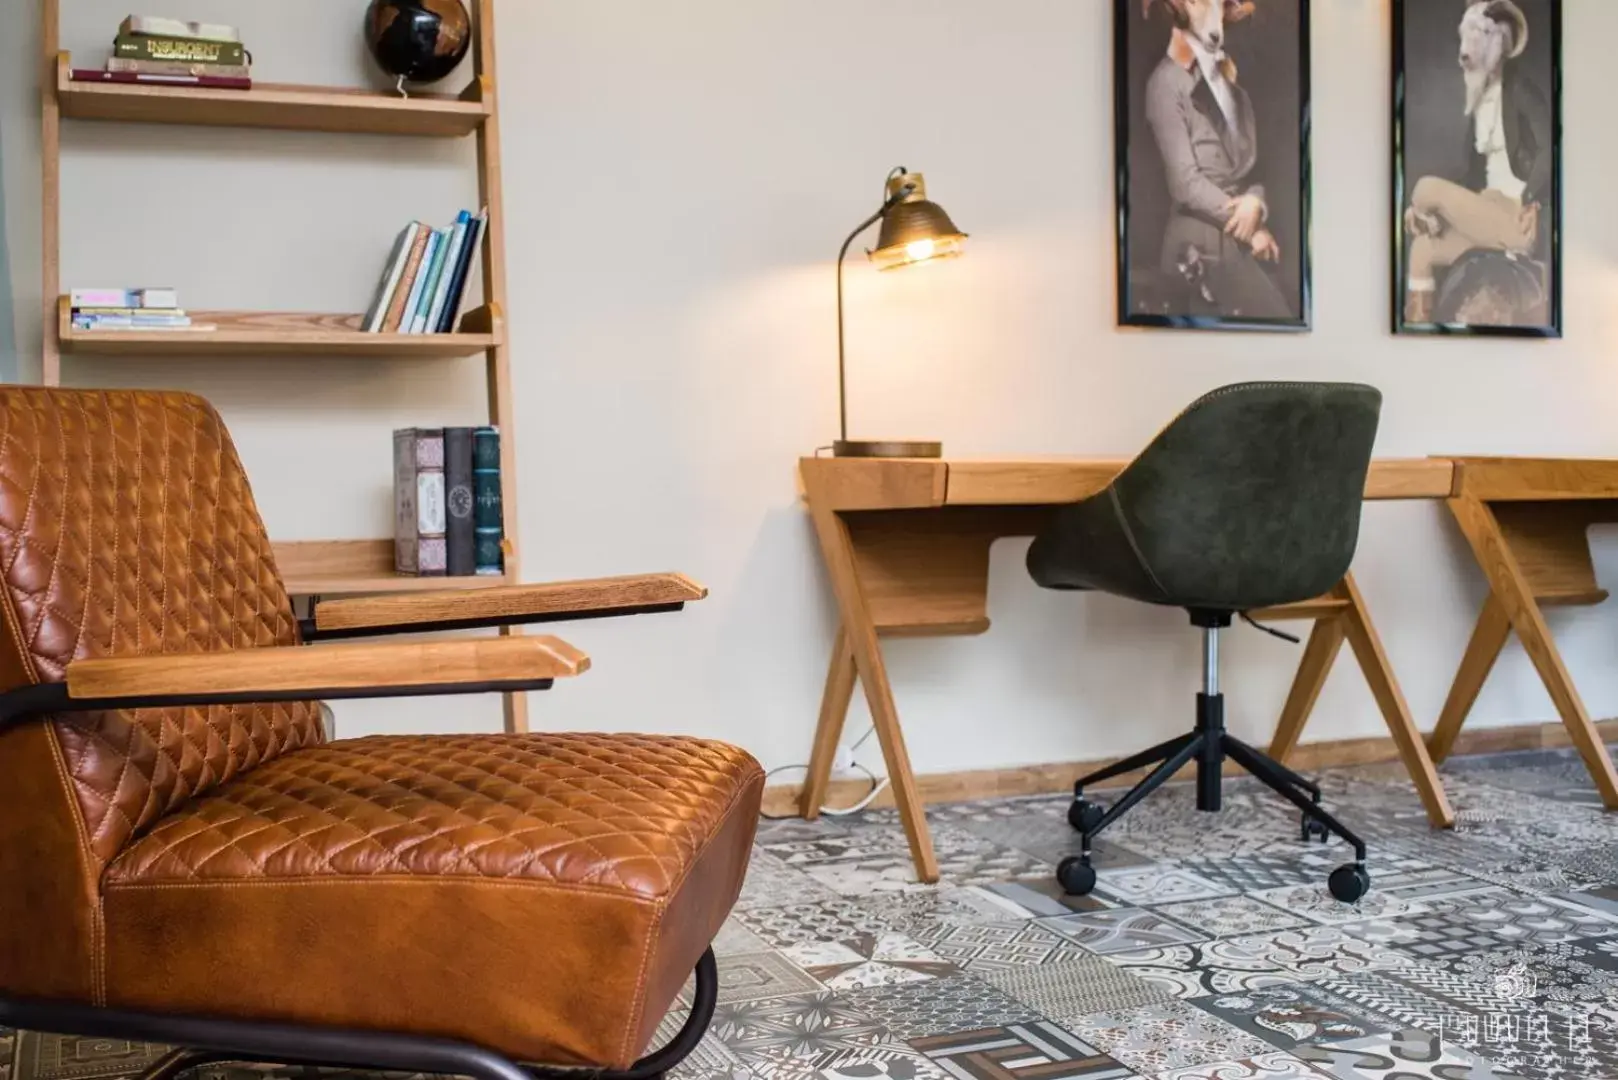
x,y
1505,479
913,483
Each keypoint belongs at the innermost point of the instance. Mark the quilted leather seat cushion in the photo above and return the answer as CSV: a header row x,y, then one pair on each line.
x,y
546,895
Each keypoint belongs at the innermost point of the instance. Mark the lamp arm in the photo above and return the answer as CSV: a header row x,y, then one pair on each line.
x,y
842,388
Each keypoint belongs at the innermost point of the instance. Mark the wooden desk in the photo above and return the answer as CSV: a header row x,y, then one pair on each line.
x,y
906,545
1528,522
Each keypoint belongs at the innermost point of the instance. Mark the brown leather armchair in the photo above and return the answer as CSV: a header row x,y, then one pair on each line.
x,y
185,860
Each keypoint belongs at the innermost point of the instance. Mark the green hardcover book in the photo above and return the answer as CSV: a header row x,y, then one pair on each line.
x,y
178,50
489,520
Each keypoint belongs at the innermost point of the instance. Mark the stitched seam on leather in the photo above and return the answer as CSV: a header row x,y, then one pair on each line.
x,y
92,873
369,879
87,857
1129,534
754,775
632,1022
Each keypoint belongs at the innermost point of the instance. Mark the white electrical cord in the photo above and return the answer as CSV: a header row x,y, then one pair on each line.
x,y
877,785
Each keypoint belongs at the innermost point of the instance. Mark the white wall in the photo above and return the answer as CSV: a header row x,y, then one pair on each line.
x,y
678,177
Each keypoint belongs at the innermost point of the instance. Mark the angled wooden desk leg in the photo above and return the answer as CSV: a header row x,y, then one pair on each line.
x,y
834,705
1488,639
837,549
1367,646
1325,640
1510,586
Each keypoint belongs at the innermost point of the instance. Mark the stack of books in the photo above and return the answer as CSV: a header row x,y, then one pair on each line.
x,y
153,49
424,281
448,519
129,309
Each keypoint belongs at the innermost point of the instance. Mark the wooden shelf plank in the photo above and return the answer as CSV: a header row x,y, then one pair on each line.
x,y
358,567
270,105
361,585
261,333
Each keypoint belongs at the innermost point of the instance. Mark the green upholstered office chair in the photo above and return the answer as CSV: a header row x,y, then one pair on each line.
x,y
1249,499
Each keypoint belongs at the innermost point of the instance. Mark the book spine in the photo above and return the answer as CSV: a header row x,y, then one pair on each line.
x,y
406,548
179,67
429,283
158,298
181,50
130,322
407,324
463,272
211,82
488,519
430,517
418,247
391,270
104,298
452,257
460,502
157,26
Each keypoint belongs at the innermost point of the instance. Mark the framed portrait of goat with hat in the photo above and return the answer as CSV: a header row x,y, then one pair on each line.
x,y
1477,167
1211,101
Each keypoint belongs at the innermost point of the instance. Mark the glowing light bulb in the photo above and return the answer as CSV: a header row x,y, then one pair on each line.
x,y
921,250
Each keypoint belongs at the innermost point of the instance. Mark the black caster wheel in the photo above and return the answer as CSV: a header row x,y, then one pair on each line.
x,y
1076,876
1084,815
1314,830
1349,884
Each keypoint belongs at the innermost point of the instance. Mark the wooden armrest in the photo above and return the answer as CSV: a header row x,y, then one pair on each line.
x,y
509,605
326,671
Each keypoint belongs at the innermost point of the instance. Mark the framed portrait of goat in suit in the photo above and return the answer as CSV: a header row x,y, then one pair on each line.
x,y
1211,102
1477,167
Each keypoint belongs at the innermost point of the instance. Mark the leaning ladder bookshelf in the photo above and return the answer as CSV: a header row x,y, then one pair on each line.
x,y
311,568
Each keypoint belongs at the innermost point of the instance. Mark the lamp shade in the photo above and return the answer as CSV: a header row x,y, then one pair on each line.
x,y
914,229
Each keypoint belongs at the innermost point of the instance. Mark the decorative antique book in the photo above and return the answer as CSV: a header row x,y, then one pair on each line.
x,y
401,295
158,26
180,67
459,502
489,521
188,50
418,502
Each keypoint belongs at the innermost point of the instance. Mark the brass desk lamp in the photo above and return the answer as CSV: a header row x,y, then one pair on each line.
x,y
914,230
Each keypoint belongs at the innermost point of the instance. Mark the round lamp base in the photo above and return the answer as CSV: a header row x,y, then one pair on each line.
x,y
887,449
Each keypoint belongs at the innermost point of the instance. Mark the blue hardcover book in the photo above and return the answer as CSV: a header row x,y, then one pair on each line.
x,y
463,270
489,531
433,269
452,256
419,286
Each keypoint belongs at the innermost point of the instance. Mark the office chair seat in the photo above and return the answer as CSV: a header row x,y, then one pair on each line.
x,y
1249,499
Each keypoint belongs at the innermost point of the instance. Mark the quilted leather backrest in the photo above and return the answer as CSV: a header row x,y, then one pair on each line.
x,y
127,528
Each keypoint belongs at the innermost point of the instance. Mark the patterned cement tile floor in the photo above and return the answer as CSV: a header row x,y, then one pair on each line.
x,y
1209,951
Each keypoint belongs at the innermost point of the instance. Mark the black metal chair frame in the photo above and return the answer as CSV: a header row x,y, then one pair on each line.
x,y
203,1040
210,1040
1209,746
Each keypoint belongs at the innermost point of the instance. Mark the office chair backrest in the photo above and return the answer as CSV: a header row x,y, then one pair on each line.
x,y
126,528
1251,497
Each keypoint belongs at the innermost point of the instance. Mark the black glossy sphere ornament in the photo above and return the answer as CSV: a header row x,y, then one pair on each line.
x,y
418,40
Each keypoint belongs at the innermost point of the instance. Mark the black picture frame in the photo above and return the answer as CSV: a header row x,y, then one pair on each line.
x,y
1156,298
1545,17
